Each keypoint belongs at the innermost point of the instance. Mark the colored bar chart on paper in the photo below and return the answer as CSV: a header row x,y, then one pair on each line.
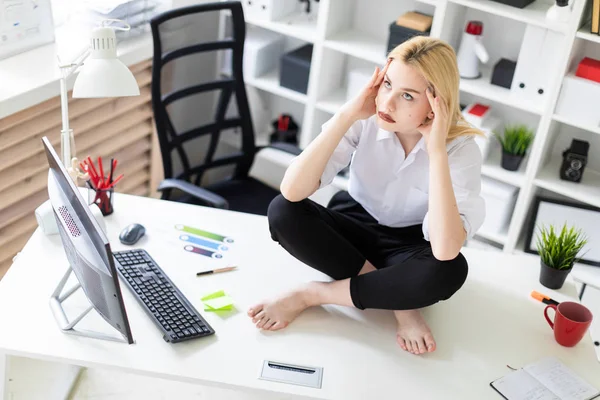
x,y
203,233
203,242
203,252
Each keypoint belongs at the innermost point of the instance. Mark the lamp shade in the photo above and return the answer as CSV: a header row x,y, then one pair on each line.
x,y
103,74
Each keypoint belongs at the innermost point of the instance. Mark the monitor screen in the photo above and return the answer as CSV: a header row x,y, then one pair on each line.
x,y
86,246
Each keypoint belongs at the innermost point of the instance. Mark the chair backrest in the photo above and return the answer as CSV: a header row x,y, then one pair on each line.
x,y
227,88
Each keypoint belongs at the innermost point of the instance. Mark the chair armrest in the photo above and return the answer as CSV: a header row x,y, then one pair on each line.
x,y
207,197
285,147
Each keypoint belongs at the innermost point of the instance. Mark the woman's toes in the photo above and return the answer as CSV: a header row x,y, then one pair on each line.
x,y
278,325
429,343
416,346
408,346
269,325
401,343
252,311
421,344
263,322
258,317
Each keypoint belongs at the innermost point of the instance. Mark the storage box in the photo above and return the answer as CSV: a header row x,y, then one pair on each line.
x,y
269,10
589,68
578,100
357,79
500,199
262,50
400,34
295,69
515,3
503,73
491,125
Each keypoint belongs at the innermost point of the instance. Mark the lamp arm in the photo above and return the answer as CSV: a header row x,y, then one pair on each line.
x,y
66,138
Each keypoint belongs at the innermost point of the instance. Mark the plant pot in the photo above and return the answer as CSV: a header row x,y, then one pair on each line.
x,y
553,278
511,162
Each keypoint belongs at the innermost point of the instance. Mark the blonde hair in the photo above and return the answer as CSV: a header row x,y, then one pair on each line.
x,y
435,60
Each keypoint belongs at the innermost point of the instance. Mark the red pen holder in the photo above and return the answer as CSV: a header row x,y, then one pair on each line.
x,y
103,198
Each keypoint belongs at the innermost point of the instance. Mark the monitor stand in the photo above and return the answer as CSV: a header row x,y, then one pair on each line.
x,y
61,318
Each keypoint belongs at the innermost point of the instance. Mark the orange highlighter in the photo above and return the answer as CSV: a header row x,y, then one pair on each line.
x,y
543,298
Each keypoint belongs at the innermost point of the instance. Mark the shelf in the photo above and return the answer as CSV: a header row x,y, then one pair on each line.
x,y
584,33
483,88
270,83
567,121
332,102
533,14
498,237
295,25
359,44
492,169
587,191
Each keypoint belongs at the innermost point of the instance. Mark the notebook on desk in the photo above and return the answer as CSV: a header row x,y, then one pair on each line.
x,y
547,379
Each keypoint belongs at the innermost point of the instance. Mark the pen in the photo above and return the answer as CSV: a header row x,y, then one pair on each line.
x,y
543,298
115,182
216,271
110,174
101,168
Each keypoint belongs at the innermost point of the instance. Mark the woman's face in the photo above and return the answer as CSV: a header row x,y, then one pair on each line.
x,y
402,103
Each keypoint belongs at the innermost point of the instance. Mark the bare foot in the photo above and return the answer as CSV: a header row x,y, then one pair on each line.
x,y
279,313
413,334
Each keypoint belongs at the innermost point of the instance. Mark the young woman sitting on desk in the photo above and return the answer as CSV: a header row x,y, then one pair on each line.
x,y
393,242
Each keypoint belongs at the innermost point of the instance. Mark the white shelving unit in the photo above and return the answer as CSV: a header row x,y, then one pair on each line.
x,y
270,83
534,14
351,33
358,44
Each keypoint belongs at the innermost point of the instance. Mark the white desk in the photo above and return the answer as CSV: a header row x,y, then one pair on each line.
x,y
489,323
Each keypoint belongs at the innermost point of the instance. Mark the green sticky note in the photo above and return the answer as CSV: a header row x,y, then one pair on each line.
x,y
217,294
217,301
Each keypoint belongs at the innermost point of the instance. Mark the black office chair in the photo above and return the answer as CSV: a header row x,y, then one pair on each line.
x,y
238,192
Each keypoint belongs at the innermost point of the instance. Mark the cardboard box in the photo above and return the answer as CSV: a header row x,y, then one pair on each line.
x,y
500,199
270,10
295,69
578,100
262,51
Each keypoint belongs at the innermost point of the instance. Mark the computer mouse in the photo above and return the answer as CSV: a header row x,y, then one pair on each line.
x,y
131,234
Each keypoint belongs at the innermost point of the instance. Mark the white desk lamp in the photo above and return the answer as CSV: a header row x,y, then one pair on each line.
x,y
102,75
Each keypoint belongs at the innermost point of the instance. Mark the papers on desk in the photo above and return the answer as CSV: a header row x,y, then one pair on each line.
x,y
547,379
217,301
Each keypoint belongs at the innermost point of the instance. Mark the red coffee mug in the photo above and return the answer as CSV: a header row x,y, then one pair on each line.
x,y
571,321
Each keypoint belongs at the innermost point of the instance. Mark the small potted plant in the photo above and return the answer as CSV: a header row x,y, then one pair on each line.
x,y
558,252
515,142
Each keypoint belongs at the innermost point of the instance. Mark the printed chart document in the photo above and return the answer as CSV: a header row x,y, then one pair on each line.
x,y
547,379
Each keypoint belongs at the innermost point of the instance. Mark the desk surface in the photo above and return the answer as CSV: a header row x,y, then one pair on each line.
x,y
489,323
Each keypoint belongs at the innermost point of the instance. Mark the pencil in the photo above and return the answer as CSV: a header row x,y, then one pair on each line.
x,y
216,271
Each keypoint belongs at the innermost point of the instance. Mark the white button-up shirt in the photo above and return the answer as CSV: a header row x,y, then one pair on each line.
x,y
394,187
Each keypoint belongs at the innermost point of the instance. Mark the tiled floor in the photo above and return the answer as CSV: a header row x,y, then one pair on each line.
x,y
108,385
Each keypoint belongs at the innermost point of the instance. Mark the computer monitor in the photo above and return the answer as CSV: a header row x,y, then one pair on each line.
x,y
88,253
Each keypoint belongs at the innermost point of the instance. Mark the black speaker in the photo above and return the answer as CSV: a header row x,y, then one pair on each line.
x,y
574,161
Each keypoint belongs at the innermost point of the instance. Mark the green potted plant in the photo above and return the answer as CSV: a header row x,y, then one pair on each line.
x,y
515,142
558,252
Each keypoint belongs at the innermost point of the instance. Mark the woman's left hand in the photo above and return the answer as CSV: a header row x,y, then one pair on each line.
x,y
436,130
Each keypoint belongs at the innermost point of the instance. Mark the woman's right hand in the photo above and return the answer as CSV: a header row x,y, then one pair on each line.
x,y
363,105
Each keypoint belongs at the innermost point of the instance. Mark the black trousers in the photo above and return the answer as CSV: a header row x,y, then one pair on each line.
x,y
337,241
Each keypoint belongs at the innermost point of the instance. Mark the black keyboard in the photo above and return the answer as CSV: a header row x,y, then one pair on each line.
x,y
162,300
